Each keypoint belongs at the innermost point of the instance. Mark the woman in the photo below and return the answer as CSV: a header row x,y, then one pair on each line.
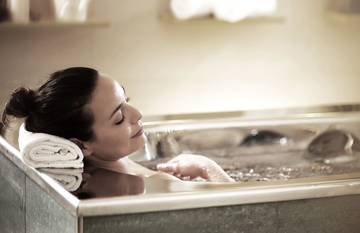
x,y
93,111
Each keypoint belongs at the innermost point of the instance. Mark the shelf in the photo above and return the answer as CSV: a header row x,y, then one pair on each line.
x,y
166,16
343,17
52,24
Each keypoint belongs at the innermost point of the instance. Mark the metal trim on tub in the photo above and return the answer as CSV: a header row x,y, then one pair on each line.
x,y
240,122
258,113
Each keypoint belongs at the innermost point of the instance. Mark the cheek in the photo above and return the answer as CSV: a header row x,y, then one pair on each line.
x,y
121,134
113,134
117,141
114,143
110,137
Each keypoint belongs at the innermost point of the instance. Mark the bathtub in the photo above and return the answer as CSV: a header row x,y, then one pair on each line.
x,y
282,186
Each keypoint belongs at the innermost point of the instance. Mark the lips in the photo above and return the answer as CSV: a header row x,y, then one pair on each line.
x,y
138,133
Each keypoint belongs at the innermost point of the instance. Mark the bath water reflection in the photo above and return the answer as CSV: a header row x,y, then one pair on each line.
x,y
99,183
93,182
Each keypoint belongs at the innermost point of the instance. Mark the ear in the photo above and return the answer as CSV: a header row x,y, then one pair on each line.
x,y
85,148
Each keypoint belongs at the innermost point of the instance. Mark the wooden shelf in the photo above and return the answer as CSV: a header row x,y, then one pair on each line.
x,y
343,17
166,16
53,24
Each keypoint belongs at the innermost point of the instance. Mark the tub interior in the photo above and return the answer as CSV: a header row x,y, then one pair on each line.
x,y
263,151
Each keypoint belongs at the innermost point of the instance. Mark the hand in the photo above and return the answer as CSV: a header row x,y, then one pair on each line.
x,y
186,166
189,166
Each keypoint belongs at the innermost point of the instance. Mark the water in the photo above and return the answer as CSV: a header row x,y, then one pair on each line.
x,y
277,166
266,153
266,173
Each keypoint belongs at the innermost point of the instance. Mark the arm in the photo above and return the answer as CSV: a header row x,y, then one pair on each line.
x,y
192,166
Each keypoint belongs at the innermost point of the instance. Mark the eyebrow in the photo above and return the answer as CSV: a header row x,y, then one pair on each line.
x,y
123,88
115,110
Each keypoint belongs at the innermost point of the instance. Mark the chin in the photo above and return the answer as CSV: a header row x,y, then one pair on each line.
x,y
141,142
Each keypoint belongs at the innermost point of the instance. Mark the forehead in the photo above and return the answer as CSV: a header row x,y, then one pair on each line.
x,y
108,94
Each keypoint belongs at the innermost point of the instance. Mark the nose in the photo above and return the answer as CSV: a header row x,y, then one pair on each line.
x,y
134,115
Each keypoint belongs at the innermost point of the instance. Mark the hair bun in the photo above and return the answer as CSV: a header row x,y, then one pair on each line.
x,y
21,103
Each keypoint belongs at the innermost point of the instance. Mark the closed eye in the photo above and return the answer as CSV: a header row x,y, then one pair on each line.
x,y
121,121
123,118
127,99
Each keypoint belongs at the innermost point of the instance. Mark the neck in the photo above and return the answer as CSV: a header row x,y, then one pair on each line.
x,y
117,165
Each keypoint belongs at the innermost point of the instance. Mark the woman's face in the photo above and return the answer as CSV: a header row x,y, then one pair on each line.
x,y
117,126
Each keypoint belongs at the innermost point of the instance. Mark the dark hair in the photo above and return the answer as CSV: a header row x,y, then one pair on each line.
x,y
58,106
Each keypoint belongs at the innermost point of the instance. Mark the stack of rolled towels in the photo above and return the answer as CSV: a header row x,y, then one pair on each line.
x,y
45,150
224,10
58,157
69,178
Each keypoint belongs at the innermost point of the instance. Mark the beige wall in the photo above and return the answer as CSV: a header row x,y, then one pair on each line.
x,y
199,66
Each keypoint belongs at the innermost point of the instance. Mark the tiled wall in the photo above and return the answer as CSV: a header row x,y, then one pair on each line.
x,y
200,66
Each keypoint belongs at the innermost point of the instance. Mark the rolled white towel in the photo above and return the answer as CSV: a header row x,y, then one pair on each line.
x,y
186,9
236,10
69,178
45,150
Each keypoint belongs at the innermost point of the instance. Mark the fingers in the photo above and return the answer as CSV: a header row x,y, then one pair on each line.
x,y
171,168
184,170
